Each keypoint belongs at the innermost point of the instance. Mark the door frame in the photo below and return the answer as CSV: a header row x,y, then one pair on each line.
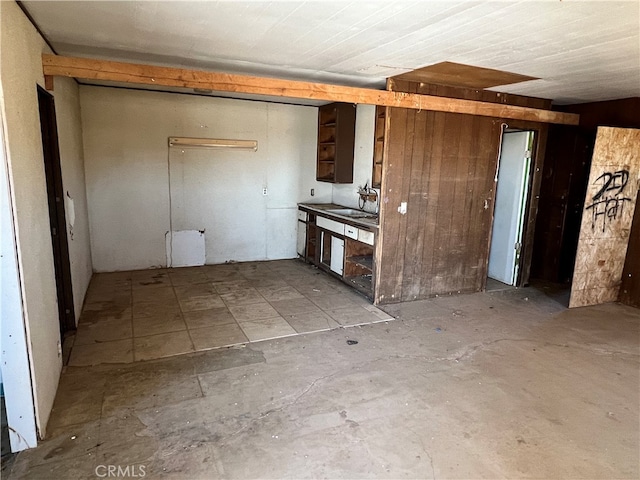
x,y
523,200
57,216
530,205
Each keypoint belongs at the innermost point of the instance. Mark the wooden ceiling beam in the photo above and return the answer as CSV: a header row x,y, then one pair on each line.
x,y
92,69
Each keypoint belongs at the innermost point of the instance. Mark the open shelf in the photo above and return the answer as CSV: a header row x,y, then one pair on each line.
x,y
365,261
358,265
378,147
336,136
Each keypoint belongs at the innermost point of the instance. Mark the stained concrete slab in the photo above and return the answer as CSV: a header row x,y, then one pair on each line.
x,y
502,385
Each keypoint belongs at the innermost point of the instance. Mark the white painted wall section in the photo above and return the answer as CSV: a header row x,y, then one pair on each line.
x,y
21,70
15,357
20,50
68,118
139,188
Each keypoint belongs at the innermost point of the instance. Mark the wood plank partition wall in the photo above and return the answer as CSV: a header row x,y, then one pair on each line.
x,y
443,165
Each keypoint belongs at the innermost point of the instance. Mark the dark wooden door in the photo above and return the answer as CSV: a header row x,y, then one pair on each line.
x,y
564,184
630,287
58,223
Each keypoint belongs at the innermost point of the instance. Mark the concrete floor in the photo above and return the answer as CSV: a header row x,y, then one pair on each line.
x,y
495,385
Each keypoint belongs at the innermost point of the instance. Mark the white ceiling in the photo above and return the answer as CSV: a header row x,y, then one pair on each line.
x,y
581,51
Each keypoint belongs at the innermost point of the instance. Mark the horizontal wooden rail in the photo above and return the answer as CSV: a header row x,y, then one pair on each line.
x,y
54,65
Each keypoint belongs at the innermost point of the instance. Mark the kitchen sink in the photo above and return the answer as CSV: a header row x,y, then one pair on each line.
x,y
351,212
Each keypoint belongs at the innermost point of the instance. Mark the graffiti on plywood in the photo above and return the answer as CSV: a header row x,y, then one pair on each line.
x,y
608,202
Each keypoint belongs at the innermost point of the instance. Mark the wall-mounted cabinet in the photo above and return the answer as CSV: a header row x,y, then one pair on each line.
x,y
336,137
378,146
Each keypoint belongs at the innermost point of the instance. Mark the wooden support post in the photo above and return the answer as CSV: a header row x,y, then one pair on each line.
x,y
223,82
48,83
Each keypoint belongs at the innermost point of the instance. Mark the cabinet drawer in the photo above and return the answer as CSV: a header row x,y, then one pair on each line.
x,y
351,232
330,225
302,215
365,236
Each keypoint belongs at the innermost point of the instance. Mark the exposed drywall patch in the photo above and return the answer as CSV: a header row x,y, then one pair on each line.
x,y
185,248
607,217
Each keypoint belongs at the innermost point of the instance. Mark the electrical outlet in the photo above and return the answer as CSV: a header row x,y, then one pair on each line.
x,y
264,191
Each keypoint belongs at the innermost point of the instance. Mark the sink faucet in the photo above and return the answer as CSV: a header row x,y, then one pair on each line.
x,y
367,194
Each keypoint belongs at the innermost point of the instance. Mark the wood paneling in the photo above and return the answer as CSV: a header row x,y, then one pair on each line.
x,y
624,112
443,165
607,217
225,82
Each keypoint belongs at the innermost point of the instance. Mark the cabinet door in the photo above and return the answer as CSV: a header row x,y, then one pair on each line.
x,y
313,250
337,254
302,239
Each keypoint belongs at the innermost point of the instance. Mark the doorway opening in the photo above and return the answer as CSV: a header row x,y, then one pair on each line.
x,y
514,171
58,222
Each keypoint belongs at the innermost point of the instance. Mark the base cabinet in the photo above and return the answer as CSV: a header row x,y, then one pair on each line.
x,y
343,249
332,251
358,265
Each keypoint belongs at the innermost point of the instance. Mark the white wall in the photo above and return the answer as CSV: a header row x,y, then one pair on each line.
x,y
67,100
14,357
127,162
21,69
346,194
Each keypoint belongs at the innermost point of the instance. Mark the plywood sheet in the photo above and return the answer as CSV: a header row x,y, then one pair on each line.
x,y
607,217
461,75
